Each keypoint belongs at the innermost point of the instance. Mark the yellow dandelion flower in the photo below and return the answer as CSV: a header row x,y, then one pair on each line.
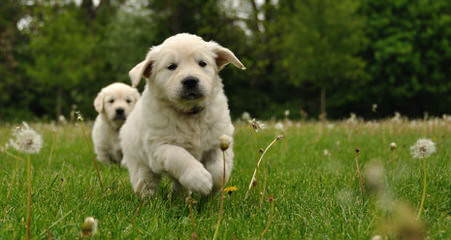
x,y
231,189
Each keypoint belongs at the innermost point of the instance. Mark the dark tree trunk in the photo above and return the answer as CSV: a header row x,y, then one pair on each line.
x,y
323,115
59,102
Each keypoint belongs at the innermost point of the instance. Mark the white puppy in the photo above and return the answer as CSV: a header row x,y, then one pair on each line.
x,y
176,125
113,103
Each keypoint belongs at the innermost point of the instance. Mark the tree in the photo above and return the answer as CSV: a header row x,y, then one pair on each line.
x,y
409,55
321,40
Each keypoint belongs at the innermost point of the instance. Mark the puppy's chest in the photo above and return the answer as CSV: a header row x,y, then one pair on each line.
x,y
195,137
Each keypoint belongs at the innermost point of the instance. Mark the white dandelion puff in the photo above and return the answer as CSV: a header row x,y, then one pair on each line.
x,y
352,119
397,118
423,148
224,142
256,125
26,140
393,146
279,126
374,107
89,227
326,152
245,116
287,113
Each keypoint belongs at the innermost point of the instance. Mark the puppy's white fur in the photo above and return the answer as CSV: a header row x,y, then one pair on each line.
x,y
167,134
105,132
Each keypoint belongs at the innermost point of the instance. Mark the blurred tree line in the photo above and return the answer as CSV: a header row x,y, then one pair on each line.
x,y
315,56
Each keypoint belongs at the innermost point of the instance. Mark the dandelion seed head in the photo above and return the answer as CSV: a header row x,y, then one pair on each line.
x,y
287,113
224,142
376,237
374,107
79,116
279,126
374,176
352,118
393,146
26,140
256,125
89,227
423,148
246,116
326,152
270,198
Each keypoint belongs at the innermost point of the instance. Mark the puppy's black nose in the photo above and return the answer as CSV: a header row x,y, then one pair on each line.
x,y
119,111
190,82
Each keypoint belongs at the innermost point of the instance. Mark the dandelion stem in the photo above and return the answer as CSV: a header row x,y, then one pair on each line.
x,y
14,176
259,162
92,154
191,214
271,216
29,197
12,155
137,210
51,148
359,174
424,189
256,154
264,187
221,207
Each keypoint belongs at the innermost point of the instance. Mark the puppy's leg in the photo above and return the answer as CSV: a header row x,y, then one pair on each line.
x,y
103,155
143,180
214,163
181,165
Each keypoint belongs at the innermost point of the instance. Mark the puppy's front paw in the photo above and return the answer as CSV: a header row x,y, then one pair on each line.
x,y
197,179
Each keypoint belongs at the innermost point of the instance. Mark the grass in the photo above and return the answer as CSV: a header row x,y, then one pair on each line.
x,y
316,196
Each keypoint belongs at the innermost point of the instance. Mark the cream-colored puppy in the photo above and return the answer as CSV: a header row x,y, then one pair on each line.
x,y
113,103
176,125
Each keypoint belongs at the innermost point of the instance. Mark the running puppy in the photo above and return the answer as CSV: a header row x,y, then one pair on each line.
x,y
113,103
176,125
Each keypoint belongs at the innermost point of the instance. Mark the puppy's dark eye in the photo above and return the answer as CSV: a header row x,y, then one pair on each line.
x,y
111,101
202,63
128,100
172,66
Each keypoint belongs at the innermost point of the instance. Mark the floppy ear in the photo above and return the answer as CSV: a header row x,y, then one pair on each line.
x,y
98,102
224,56
142,69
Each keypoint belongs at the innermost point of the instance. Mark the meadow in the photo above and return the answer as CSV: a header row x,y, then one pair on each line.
x,y
311,180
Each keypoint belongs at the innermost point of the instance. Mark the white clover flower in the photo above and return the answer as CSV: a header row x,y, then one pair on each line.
x,y
279,126
26,140
423,148
256,125
224,142
89,227
326,152
245,116
287,113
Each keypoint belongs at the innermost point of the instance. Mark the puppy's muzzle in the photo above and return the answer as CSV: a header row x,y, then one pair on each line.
x,y
119,114
191,90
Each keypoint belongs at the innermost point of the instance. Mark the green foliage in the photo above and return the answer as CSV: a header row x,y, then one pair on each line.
x,y
409,54
392,53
